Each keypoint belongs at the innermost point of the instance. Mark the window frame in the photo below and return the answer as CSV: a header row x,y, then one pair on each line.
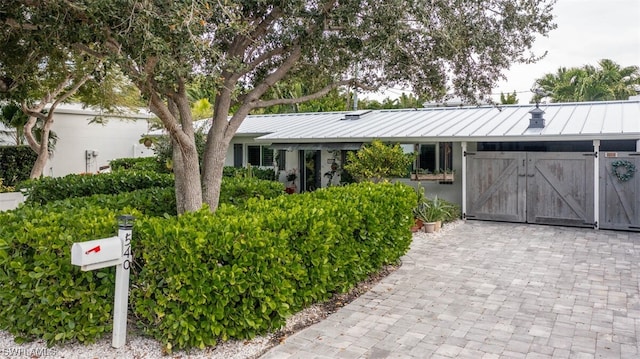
x,y
262,154
442,156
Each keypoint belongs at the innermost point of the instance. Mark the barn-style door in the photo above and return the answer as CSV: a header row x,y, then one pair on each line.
x,y
560,188
496,186
620,191
531,187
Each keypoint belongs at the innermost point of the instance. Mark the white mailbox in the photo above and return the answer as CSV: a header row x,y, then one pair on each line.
x,y
96,254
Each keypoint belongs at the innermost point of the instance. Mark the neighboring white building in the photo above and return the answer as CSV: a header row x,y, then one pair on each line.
x,y
86,147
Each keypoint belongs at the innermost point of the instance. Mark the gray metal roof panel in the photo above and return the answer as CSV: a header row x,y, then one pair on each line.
x,y
575,119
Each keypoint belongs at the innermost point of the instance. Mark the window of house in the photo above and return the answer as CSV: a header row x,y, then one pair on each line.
x,y
434,156
260,156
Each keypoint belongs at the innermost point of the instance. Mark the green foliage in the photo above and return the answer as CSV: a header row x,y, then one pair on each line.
x,y
237,191
48,189
137,164
378,161
260,173
58,302
16,163
41,294
4,188
508,99
234,274
155,201
436,209
164,150
606,81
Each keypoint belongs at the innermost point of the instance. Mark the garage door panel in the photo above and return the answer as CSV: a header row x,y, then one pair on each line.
x,y
533,187
560,188
495,186
619,200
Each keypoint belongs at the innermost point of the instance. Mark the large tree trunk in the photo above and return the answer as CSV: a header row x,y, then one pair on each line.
x,y
186,166
187,177
214,158
218,140
179,177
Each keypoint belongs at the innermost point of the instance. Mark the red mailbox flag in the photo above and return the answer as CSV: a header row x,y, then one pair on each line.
x,y
95,249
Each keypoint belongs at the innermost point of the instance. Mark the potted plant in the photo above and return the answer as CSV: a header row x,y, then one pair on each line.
x,y
422,212
439,211
433,212
291,178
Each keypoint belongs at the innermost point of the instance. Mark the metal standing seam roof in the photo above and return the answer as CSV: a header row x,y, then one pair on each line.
x,y
563,121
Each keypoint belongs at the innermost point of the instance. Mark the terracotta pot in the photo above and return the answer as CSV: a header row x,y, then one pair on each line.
x,y
417,225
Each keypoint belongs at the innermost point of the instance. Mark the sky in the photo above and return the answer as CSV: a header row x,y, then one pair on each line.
x,y
587,31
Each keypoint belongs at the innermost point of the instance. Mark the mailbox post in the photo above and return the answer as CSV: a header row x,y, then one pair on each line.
x,y
121,300
107,252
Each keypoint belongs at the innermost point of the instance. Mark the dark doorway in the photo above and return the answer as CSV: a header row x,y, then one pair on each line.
x,y
310,174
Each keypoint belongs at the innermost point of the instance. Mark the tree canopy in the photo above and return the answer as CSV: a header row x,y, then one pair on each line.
x,y
241,50
604,82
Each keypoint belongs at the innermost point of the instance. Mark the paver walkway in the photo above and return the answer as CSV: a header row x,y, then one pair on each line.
x,y
493,290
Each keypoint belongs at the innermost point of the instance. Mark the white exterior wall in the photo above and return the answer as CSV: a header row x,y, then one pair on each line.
x,y
7,136
118,138
10,200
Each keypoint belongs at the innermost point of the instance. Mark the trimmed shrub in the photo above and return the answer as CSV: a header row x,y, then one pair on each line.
x,y
158,201
201,277
42,295
49,189
16,163
234,274
149,164
155,201
260,173
237,191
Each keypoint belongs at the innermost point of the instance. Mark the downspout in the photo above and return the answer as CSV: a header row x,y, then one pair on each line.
x,y
596,184
464,180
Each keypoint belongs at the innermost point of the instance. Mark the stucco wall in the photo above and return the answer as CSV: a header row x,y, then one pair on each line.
x,y
118,138
10,200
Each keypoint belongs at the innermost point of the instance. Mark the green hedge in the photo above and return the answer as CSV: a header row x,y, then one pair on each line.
x,y
155,201
200,277
261,173
137,164
43,295
49,189
237,273
16,163
237,191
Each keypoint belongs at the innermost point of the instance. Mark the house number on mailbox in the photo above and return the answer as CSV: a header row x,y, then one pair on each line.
x,y
127,252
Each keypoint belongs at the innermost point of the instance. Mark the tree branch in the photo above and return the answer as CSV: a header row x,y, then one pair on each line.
x,y
313,96
262,58
84,48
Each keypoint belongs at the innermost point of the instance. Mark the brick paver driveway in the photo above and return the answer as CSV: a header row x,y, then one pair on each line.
x,y
493,290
